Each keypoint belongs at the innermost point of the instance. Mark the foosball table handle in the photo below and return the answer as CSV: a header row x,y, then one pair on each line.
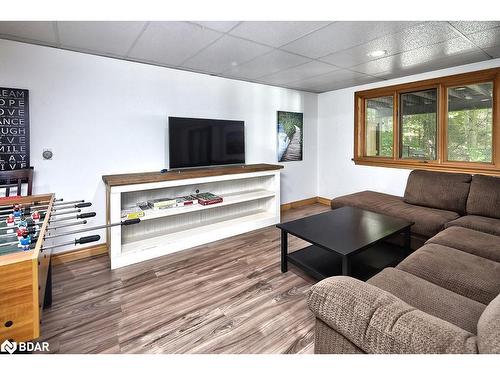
x,y
85,215
87,239
131,221
82,205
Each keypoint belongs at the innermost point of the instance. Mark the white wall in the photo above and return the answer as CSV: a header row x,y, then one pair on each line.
x,y
337,174
104,116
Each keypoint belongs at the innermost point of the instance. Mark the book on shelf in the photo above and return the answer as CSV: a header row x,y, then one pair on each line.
x,y
186,200
133,212
206,199
161,203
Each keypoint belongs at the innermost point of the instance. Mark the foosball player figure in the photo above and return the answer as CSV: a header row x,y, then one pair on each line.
x,y
21,231
17,213
10,220
22,222
24,242
35,216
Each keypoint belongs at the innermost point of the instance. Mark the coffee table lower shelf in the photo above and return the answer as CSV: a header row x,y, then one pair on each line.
x,y
320,263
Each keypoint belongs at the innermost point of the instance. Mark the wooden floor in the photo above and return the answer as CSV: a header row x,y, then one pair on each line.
x,y
225,297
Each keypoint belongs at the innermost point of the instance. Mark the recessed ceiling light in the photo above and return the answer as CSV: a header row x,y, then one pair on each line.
x,y
378,53
234,63
460,88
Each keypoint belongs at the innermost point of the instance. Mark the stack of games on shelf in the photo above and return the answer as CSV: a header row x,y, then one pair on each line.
x,y
141,208
206,199
133,212
186,201
202,198
162,203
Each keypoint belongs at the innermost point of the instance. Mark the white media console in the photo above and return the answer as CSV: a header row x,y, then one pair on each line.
x,y
251,200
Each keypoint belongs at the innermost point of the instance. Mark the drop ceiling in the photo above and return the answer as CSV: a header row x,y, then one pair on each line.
x,y
311,56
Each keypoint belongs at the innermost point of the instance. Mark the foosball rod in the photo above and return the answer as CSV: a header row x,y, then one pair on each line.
x,y
30,229
76,241
39,206
45,207
11,206
104,226
64,205
85,215
4,214
67,225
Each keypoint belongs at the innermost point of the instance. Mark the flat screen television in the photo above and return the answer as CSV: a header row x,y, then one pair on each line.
x,y
197,142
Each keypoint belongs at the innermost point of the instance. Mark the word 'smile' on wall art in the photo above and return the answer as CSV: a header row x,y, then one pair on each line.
x,y
14,129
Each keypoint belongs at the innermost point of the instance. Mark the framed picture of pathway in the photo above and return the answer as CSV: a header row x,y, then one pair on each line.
x,y
290,136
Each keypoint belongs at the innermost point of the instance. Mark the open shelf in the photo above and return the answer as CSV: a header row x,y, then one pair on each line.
x,y
228,199
172,235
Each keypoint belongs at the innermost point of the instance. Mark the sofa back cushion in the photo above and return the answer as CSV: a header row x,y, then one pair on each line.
x,y
484,196
446,191
488,328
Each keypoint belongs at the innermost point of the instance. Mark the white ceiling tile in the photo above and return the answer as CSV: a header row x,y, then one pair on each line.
x,y
275,33
109,37
224,54
493,51
297,73
266,64
470,27
222,26
352,56
421,35
486,39
342,35
335,77
406,40
329,82
443,63
445,54
171,43
39,31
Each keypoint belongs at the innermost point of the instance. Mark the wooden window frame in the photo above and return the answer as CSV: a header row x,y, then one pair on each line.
x,y
441,163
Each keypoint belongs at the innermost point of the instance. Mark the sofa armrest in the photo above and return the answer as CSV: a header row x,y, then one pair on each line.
x,y
378,322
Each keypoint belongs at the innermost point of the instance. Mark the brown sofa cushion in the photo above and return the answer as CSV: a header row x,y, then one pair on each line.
x,y
484,196
466,274
471,241
446,191
488,328
376,321
430,298
428,221
479,223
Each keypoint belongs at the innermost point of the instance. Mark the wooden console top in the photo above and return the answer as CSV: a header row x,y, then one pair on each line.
x,y
146,177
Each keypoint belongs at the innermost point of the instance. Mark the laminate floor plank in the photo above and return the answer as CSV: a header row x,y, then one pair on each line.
x,y
228,296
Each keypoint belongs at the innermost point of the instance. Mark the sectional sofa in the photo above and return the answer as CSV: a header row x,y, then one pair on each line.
x,y
444,297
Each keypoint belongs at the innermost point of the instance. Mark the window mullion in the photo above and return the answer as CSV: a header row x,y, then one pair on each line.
x,y
395,127
442,124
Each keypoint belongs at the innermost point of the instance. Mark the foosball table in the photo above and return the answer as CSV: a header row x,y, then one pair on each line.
x,y
30,228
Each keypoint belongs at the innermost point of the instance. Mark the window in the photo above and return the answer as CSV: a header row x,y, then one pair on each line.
x,y
379,127
419,125
449,123
470,123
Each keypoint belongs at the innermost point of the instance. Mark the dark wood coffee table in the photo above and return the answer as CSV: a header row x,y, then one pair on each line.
x,y
346,241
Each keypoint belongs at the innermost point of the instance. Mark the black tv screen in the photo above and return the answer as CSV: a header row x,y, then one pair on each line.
x,y
196,142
